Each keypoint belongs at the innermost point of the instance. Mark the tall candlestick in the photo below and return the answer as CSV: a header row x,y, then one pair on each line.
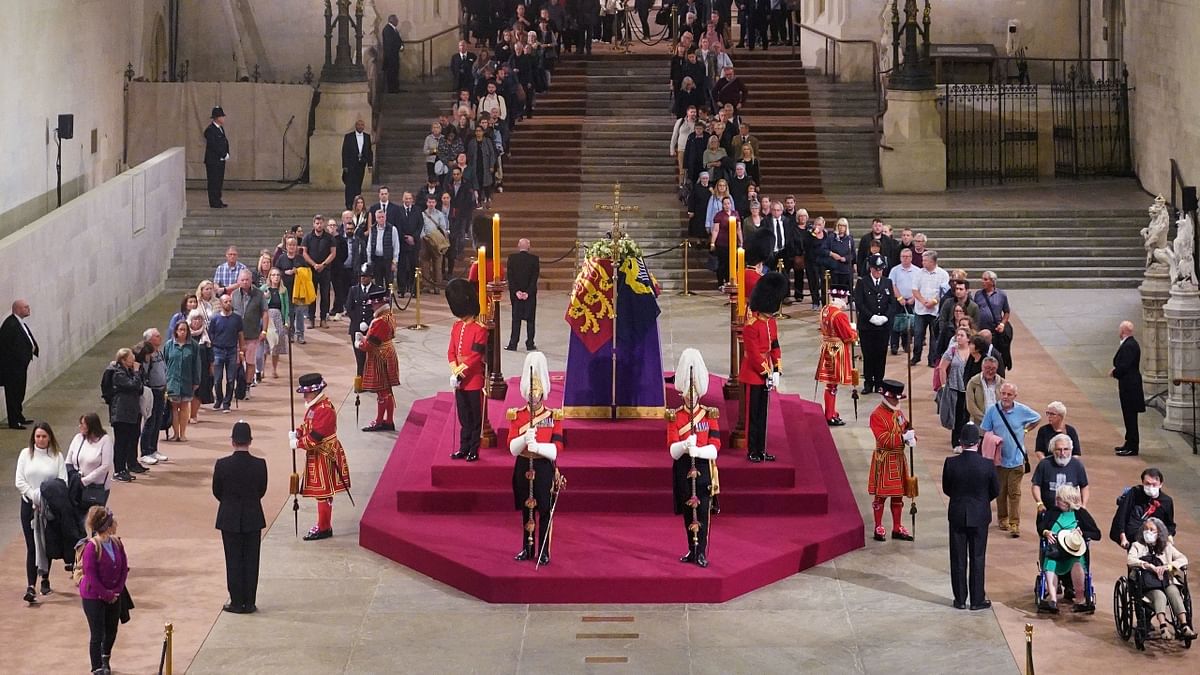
x,y
732,249
741,282
481,273
496,247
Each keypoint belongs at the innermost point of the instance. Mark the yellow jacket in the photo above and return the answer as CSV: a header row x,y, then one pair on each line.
x,y
303,291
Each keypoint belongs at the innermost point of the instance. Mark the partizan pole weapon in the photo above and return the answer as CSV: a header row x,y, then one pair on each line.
x,y
912,511
294,479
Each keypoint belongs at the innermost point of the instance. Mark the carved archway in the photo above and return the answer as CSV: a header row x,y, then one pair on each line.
x,y
154,58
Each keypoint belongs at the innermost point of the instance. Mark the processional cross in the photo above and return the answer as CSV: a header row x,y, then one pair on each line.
x,y
617,208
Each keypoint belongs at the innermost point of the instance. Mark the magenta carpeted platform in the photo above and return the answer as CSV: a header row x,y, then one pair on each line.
x,y
616,538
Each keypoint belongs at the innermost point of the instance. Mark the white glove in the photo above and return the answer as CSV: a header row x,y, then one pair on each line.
x,y
531,435
878,320
910,437
362,327
705,452
454,382
292,435
359,341
678,449
293,442
774,380
691,441
853,326
517,445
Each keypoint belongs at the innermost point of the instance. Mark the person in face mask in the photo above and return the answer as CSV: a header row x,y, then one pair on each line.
x,y
1157,560
1059,469
1137,504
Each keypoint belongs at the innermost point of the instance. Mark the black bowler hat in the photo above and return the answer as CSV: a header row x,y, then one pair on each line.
x,y
241,433
893,388
377,295
877,262
312,382
217,112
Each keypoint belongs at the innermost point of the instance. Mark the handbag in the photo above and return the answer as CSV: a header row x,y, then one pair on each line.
x,y
439,168
711,263
95,494
438,240
902,323
1150,580
1018,442
663,17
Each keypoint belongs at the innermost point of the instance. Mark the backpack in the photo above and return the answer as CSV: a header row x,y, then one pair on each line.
x,y
107,391
1117,528
77,569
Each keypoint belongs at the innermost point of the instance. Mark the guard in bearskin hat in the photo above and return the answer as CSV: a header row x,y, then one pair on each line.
x,y
761,361
466,356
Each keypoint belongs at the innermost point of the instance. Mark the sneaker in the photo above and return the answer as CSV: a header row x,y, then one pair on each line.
x,y
160,457
137,468
225,410
147,460
122,476
217,405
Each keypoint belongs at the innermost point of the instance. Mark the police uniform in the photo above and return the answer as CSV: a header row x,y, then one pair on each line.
x,y
874,298
889,467
695,482
535,479
835,362
381,370
326,472
762,361
465,355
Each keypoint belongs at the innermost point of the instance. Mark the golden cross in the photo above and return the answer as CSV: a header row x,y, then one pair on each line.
x,y
617,209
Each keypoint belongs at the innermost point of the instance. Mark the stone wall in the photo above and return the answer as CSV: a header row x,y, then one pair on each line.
x,y
67,56
121,234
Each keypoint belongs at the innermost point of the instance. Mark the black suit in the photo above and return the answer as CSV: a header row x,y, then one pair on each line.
x,y
1127,370
358,313
410,225
971,483
239,484
462,70
216,147
522,274
393,44
354,164
783,243
871,299
17,349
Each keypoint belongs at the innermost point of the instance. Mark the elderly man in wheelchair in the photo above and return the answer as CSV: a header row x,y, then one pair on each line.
x,y
1158,580
1065,529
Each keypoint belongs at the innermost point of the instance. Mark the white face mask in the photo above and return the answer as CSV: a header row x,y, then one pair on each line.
x,y
1062,461
1150,536
1151,491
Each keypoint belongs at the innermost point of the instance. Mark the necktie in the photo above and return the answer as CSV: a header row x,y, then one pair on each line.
x,y
778,234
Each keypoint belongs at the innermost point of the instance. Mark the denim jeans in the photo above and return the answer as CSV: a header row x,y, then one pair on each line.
x,y
224,372
296,322
923,323
151,429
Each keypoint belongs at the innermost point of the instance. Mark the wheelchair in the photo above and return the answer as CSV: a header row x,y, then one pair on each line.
x,y
1132,610
1064,581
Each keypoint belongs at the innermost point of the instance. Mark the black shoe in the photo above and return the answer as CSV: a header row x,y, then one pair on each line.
x,y
701,560
137,468
1082,608
379,426
249,609
836,422
914,361
458,455
986,604
27,421
510,348
315,534
31,596
544,558
690,557
46,586
1047,607
525,554
530,347
472,456
767,457
16,426
901,535
1127,453
895,351
122,476
959,605
755,457
232,608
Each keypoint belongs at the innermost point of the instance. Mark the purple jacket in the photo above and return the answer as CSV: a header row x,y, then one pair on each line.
x,y
103,576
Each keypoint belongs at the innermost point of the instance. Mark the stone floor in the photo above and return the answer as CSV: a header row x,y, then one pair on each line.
x,y
333,607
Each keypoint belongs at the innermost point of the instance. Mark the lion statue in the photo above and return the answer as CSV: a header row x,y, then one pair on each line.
x,y
1158,255
1183,263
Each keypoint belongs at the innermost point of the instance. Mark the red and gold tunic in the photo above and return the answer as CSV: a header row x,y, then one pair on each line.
x,y
835,364
547,424
682,423
473,273
325,470
760,338
752,277
889,467
382,369
468,346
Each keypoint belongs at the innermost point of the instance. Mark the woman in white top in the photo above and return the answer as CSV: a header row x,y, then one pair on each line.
x,y
91,453
39,462
207,300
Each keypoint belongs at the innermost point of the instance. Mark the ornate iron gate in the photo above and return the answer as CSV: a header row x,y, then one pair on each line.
x,y
991,133
1091,122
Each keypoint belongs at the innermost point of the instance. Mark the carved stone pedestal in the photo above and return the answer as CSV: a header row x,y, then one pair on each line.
x,y
1182,314
916,160
1155,290
342,103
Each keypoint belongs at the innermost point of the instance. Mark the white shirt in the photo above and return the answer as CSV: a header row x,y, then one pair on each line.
x,y
32,471
358,136
29,333
989,391
930,285
94,461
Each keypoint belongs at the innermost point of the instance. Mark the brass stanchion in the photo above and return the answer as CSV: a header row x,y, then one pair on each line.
x,y
780,314
417,284
168,646
687,244
1028,649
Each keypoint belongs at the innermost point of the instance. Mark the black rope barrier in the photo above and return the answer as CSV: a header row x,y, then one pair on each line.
x,y
673,248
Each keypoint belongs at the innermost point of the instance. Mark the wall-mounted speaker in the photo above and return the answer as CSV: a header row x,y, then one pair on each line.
x,y
66,126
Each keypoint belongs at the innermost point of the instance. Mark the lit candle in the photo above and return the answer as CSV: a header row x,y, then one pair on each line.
x,y
481,273
732,249
741,281
496,247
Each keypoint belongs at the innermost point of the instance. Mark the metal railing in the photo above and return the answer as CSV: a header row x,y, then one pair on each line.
x,y
426,45
1030,70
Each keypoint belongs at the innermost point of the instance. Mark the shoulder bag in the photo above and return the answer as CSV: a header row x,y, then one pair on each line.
x,y
1016,439
1150,580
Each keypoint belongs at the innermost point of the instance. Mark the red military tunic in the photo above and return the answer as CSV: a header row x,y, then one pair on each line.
x,y
325,470
382,369
835,365
889,467
548,425
468,345
761,355
682,423
752,277
473,273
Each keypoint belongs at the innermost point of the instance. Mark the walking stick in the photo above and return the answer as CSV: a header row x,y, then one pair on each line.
x,y
294,479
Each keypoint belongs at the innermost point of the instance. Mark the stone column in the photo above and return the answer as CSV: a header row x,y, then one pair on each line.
x,y
342,103
915,157
1182,314
1155,290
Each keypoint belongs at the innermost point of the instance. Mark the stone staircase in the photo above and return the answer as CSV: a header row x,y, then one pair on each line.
x,y
403,124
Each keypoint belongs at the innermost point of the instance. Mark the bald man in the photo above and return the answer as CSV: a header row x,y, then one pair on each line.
x,y
1127,371
17,348
522,273
357,157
